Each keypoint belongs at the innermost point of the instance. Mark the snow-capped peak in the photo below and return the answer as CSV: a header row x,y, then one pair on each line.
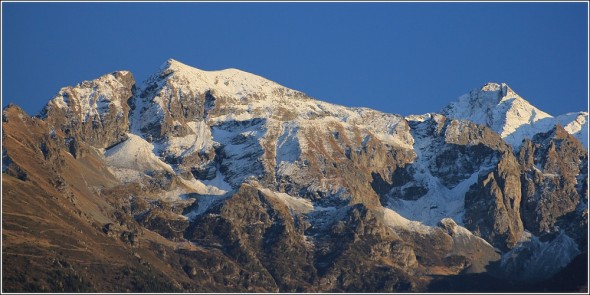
x,y
497,106
492,86
503,110
233,94
230,82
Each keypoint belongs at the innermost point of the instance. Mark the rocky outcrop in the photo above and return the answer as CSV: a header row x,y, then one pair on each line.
x,y
492,205
96,111
554,184
479,254
358,252
166,223
258,232
339,167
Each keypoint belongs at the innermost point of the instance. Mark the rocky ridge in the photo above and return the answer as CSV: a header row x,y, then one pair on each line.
x,y
226,176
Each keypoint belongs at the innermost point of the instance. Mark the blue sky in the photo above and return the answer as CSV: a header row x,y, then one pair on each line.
x,y
403,58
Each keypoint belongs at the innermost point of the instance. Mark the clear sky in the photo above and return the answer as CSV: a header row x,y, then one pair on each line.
x,y
403,58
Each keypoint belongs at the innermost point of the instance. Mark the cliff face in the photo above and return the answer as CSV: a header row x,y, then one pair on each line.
x,y
555,184
225,181
493,203
96,112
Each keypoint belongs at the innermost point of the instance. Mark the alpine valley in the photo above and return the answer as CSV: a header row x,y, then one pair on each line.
x,y
224,181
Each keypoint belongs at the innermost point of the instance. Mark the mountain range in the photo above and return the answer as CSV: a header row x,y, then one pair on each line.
x,y
224,181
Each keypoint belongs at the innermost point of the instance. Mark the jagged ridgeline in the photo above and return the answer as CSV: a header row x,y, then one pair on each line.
x,y
224,181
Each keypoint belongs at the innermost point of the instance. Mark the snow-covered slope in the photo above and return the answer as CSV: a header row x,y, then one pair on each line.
x,y
134,158
243,96
134,154
297,205
504,111
575,124
396,221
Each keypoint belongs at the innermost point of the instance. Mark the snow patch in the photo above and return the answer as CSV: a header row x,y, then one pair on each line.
x,y
173,195
394,220
201,188
298,205
288,148
218,183
134,154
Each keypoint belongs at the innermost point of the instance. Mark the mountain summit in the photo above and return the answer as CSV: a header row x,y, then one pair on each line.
x,y
228,82
223,181
504,111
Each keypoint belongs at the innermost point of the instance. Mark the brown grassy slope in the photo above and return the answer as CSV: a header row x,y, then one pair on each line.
x,y
52,219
